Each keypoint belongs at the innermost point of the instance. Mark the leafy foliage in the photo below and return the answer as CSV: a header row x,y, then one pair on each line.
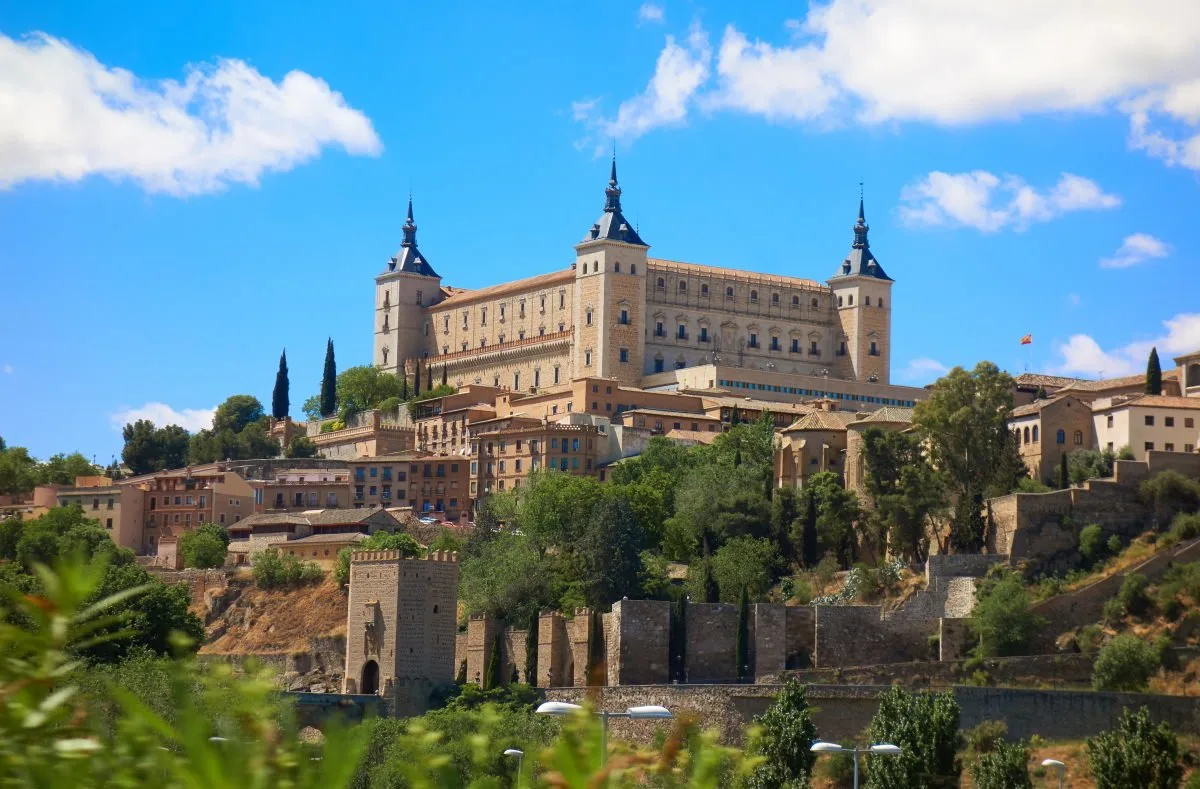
x,y
783,741
1170,493
745,564
1085,464
925,726
148,448
327,404
301,447
1006,766
907,490
379,541
279,395
239,432
441,390
204,547
273,570
1092,544
1125,663
1137,755
1002,619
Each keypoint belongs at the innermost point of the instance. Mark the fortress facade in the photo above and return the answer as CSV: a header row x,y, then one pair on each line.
x,y
618,313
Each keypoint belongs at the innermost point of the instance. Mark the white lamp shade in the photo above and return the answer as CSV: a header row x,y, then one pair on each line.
x,y
513,752
886,749
649,711
826,747
557,708
1053,763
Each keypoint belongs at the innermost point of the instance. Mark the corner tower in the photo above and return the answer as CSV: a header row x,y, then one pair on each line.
x,y
863,299
401,295
610,295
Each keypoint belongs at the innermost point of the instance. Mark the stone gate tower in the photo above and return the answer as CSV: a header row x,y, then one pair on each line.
x,y
401,626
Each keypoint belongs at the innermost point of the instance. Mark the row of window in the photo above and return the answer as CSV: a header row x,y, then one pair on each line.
x,y
95,503
1168,421
1028,436
1167,447
498,448
181,501
795,390
427,470
661,285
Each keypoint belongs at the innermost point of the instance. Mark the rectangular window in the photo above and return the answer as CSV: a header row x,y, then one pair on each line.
x,y
1149,420
703,334
419,298
555,375
682,333
575,445
1169,421
753,340
300,498
1149,445
517,465
587,358
110,503
774,343
1189,448
371,491
1110,420
108,523
795,346
658,329
1169,447
658,365
624,320
178,501
374,472
1187,422
624,355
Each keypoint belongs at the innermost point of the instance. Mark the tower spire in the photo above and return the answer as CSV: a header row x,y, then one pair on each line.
x,y
409,258
860,226
410,227
612,193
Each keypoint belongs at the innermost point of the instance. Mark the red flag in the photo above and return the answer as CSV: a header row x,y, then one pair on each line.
x,y
1027,339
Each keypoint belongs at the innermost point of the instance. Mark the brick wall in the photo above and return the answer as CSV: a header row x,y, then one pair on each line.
x,y
944,565
639,642
801,635
711,637
854,635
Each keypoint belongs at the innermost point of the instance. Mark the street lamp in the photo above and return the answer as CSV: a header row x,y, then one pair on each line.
x,y
520,756
644,712
1057,765
879,749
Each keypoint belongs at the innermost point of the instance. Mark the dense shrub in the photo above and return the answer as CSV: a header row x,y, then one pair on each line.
x,y
1126,663
1113,612
1186,526
1169,493
205,547
379,541
1089,637
984,737
785,737
1002,621
1092,545
1138,755
925,726
1005,767
1132,594
273,570
1085,464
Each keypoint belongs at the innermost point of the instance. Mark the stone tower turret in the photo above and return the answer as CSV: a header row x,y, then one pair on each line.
x,y
401,295
862,294
610,295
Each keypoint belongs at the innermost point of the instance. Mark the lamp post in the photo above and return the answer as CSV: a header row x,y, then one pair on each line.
x,y
636,713
879,749
1057,765
520,757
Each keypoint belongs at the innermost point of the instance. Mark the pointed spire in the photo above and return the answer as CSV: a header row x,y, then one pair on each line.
x,y
409,258
861,227
612,193
410,227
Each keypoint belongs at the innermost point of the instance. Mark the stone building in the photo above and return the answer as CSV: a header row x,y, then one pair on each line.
x,y
814,443
401,626
118,509
1048,429
887,419
314,536
1148,423
618,313
300,489
1188,373
175,502
434,485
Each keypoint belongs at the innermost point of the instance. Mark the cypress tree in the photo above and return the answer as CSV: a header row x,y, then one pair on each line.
x,y
429,377
491,675
531,651
708,582
742,643
1153,374
809,539
279,397
1064,479
403,381
417,379
329,382
444,376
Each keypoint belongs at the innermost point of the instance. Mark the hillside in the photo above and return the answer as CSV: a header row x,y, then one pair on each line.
x,y
246,620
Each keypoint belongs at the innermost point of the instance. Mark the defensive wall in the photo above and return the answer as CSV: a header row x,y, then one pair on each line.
x,y
842,712
1042,529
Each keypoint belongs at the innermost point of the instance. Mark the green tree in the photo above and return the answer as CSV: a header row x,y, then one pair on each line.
x,y
237,413
302,447
597,670
553,508
149,449
18,470
273,570
1138,755
837,512
677,639
445,381
906,489
1064,475
608,552
531,650
364,387
964,425
1085,464
1125,663
416,392
1006,766
63,469
328,402
810,546
1092,544
205,547
925,726
745,563
784,742
1169,493
1003,620
239,432
403,381
491,673
742,637
503,575
279,395
1153,374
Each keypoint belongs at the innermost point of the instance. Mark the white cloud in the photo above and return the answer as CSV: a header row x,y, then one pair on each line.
x,y
1082,355
161,414
1137,248
65,116
651,12
923,369
989,202
949,62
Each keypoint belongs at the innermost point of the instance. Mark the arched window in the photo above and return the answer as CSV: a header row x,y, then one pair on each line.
x,y
595,266
1035,434
729,293
850,300
774,298
1060,437
839,301
795,301
661,284
754,295
1026,435
1078,438
617,268
703,290
1193,375
683,286
867,301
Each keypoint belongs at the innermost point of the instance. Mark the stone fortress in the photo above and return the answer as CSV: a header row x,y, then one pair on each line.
x,y
618,313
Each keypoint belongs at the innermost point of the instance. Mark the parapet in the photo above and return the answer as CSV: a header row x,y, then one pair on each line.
x,y
395,556
443,556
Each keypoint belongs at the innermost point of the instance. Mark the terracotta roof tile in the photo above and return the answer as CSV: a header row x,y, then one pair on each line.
x,y
505,288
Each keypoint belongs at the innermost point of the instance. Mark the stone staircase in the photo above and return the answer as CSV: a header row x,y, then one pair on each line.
x,y
949,589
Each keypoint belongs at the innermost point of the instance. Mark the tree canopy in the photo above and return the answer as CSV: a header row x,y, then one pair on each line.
x,y
149,448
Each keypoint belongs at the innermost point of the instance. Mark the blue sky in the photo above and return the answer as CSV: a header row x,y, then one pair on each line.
x,y
187,189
